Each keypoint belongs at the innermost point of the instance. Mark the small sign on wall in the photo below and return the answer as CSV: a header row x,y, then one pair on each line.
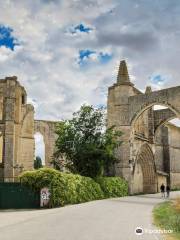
x,y
45,197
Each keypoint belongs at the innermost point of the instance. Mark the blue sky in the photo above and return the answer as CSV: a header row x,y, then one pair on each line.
x,y
81,28
6,37
87,56
67,53
158,79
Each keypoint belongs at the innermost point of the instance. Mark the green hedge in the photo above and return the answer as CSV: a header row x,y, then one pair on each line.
x,y
67,188
113,186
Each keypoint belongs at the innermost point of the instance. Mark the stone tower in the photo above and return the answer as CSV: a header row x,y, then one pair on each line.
x,y
145,157
17,124
17,129
118,115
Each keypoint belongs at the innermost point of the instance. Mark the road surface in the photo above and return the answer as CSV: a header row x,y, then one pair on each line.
x,y
110,219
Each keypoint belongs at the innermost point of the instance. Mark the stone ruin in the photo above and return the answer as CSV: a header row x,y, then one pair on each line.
x,y
17,128
150,153
148,156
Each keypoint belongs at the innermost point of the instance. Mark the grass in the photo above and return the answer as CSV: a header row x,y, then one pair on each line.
x,y
167,216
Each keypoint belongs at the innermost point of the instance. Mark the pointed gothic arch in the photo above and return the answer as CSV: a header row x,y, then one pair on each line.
x,y
145,160
47,130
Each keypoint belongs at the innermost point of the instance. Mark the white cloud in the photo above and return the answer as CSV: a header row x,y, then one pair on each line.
x,y
7,54
46,61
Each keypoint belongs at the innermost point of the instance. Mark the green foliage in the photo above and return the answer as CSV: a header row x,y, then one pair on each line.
x,y
113,186
67,188
167,217
175,189
87,147
38,163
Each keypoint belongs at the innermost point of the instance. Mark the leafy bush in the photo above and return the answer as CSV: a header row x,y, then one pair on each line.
x,y
67,188
175,189
113,186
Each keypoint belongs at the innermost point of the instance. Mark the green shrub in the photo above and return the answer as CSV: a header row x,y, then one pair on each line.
x,y
67,188
113,186
175,189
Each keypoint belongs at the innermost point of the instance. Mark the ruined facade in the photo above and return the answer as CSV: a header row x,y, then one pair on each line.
x,y
149,155
17,129
150,151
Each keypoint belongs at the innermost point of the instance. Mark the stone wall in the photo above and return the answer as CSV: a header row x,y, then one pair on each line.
x,y
174,150
162,149
137,181
131,111
17,127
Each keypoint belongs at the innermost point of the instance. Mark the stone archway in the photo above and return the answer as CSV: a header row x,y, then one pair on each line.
x,y
145,161
47,130
167,97
131,111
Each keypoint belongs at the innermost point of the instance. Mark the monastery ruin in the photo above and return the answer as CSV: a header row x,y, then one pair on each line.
x,y
149,155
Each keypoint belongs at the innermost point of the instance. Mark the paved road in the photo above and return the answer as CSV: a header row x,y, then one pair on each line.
x,y
111,219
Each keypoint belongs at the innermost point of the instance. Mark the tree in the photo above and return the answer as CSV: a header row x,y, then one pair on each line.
x,y
38,163
88,148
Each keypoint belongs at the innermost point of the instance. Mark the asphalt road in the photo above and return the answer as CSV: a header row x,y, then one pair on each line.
x,y
111,219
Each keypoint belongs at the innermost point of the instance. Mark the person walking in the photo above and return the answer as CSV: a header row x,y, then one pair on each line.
x,y
167,190
162,188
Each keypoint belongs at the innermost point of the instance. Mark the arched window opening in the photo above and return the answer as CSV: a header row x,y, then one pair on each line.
x,y
159,107
175,121
166,143
160,114
23,99
39,147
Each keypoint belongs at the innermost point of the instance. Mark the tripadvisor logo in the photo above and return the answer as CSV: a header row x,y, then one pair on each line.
x,y
139,231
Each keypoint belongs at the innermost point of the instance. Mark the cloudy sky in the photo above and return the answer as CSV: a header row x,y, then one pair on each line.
x,y
66,52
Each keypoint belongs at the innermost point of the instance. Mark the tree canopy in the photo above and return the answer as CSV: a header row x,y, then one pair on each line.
x,y
85,143
38,163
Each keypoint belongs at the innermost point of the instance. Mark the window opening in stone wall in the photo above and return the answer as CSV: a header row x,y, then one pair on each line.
x,y
174,121
39,148
159,107
23,99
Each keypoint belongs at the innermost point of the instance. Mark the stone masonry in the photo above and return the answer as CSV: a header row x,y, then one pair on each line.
x,y
150,151
17,129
